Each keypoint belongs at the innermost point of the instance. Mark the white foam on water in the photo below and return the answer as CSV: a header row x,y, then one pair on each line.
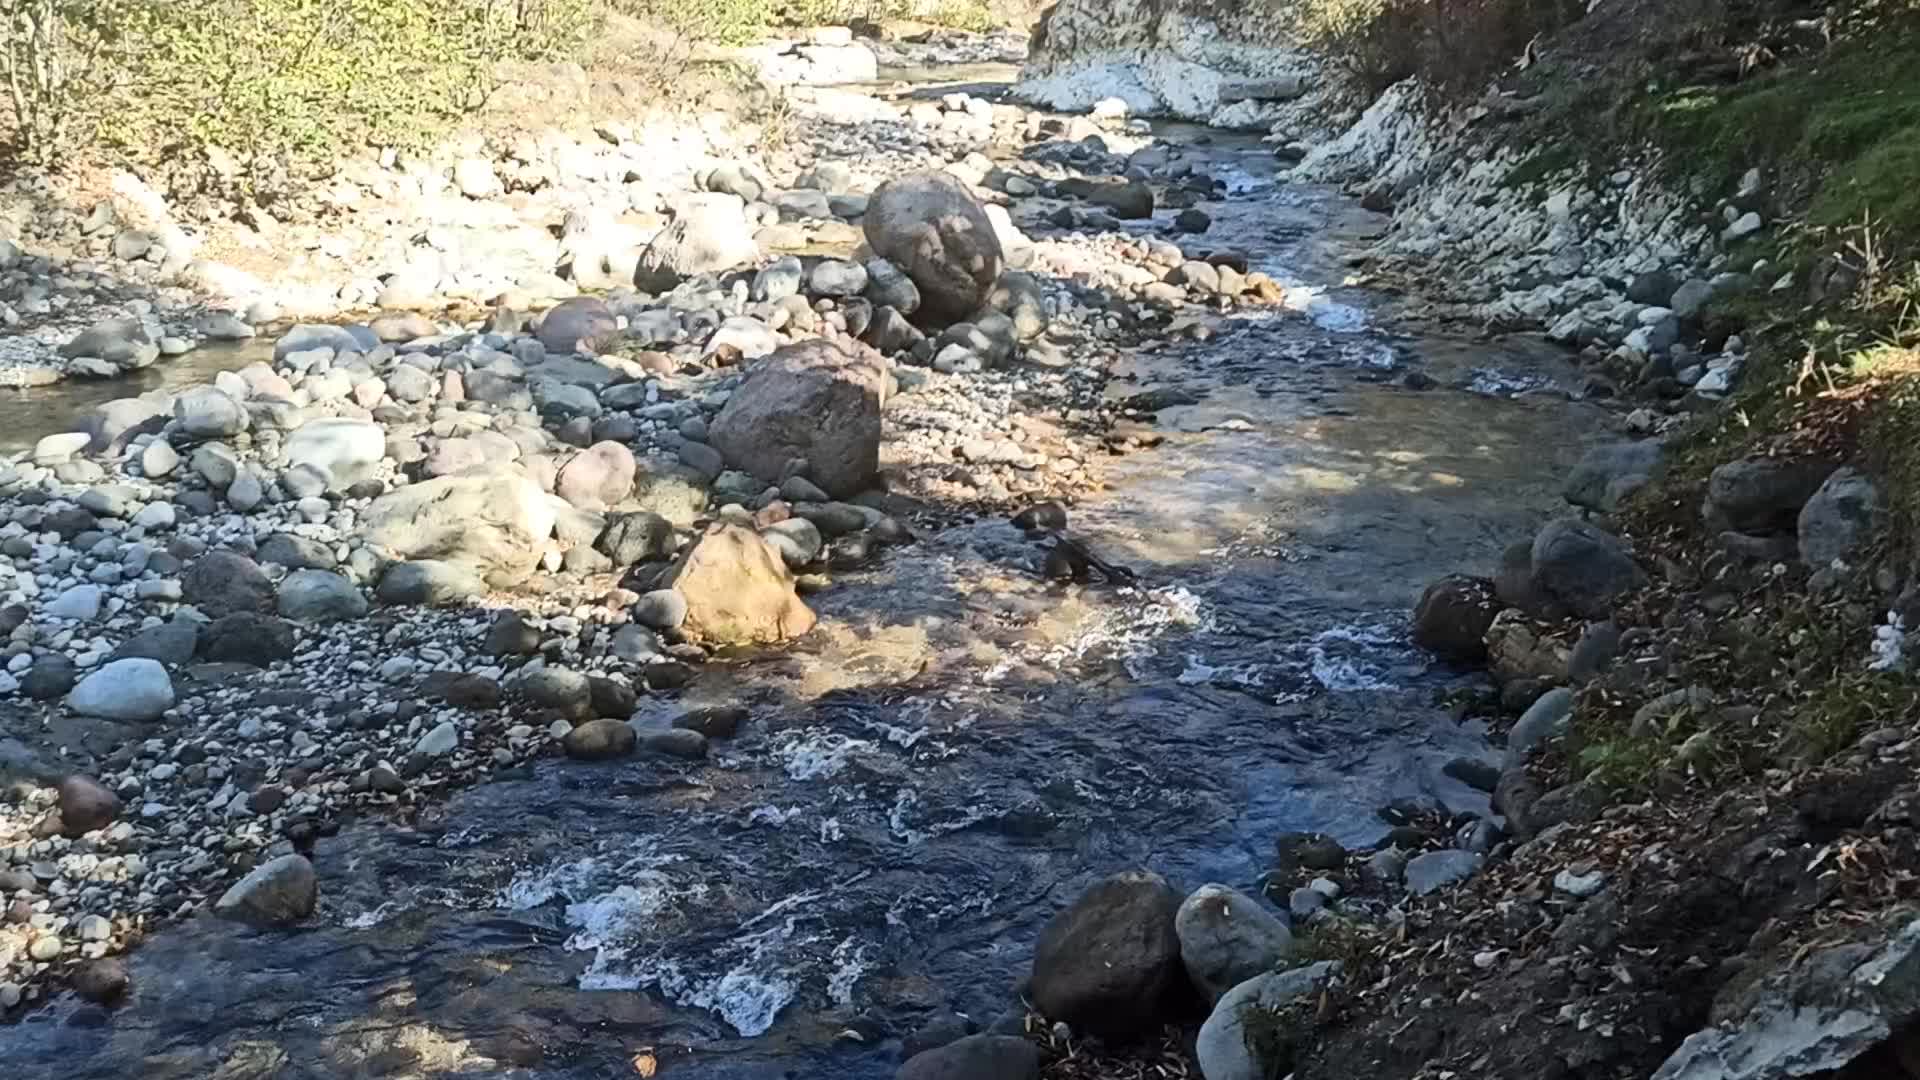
x,y
849,963
1494,383
751,993
366,920
831,831
773,815
815,753
918,713
1345,657
903,804
530,890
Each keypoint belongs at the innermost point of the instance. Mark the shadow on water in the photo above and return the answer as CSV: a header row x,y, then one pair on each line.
x,y
957,752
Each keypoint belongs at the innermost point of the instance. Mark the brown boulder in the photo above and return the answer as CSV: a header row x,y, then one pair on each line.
x,y
1453,617
738,590
813,401
930,225
86,806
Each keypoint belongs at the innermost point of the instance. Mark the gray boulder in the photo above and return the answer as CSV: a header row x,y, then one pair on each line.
x,y
810,401
117,341
1758,496
320,596
489,522
709,234
1226,938
1435,870
310,336
1547,718
1453,616
131,689
206,413
1838,517
1605,475
1241,1039
930,225
1583,567
276,893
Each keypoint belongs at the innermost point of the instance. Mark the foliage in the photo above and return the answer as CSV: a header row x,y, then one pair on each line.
x,y
1445,42
269,82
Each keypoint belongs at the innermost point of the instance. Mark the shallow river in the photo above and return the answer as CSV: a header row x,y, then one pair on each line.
x,y
952,757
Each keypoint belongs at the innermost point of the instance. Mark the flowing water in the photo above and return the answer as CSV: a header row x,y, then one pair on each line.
x,y
959,750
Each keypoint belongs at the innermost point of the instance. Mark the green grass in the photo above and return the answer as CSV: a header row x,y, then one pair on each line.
x,y
1845,127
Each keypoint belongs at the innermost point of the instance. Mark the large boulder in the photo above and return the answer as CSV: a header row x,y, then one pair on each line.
x,y
930,225
116,341
1246,1038
207,413
1762,495
276,893
975,1057
709,234
738,590
1583,567
1607,474
811,401
1107,963
344,451
320,596
491,523
1226,938
1838,518
1453,617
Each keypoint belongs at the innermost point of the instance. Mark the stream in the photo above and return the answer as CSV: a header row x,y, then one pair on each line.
x,y
955,754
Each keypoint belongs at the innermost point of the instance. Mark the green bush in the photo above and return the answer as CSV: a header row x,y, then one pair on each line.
x,y
276,84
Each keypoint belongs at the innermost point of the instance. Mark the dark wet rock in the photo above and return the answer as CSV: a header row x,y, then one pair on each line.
x,y
810,401
51,676
103,981
941,1030
1576,803
223,582
1599,644
86,806
599,740
976,1057
1476,774
173,644
612,698
1762,495
635,537
1309,850
512,635
716,722
675,742
1583,567
1129,200
276,893
472,692
1453,616
247,637
1226,938
930,226
1108,962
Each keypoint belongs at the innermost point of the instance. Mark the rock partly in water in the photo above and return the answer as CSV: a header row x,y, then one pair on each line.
x,y
1226,938
975,1057
738,590
276,893
1107,963
1453,617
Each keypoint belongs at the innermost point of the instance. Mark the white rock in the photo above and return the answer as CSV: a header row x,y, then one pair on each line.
x,y
132,689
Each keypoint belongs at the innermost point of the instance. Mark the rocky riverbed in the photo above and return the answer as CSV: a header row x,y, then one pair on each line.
x,y
647,669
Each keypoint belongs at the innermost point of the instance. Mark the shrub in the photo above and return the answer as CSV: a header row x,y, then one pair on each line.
x,y
1446,42
65,61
